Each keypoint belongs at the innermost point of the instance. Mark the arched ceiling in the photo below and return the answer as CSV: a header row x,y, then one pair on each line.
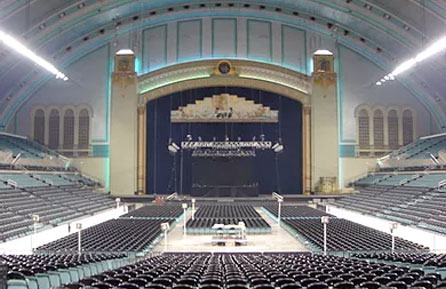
x,y
386,32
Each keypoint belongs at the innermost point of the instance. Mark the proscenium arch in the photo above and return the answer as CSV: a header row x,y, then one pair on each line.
x,y
174,81
246,73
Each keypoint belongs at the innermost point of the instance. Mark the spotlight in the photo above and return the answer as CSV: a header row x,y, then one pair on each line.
x,y
189,137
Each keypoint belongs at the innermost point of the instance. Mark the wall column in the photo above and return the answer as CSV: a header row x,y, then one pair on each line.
x,y
324,123
124,125
141,151
306,150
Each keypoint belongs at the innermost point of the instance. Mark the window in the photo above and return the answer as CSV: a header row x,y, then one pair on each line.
x,y
39,126
407,127
392,120
84,129
364,133
54,126
68,129
378,129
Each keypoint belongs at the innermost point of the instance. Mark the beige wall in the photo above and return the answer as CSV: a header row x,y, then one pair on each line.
x,y
92,167
354,168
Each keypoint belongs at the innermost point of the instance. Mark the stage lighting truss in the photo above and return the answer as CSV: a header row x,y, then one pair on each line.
x,y
210,153
226,145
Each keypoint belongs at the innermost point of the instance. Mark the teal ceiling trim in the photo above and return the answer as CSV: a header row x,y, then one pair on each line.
x,y
297,22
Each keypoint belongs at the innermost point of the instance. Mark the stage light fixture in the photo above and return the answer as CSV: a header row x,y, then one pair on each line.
x,y
14,44
435,48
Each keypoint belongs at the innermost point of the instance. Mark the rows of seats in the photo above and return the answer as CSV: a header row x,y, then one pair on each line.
x,y
289,211
155,211
425,259
118,235
259,271
416,206
226,210
26,180
53,205
344,235
424,180
44,271
208,215
32,155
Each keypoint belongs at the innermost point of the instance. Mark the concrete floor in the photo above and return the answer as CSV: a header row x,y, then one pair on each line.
x,y
278,240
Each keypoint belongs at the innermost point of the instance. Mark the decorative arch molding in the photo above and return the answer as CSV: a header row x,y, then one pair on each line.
x,y
263,76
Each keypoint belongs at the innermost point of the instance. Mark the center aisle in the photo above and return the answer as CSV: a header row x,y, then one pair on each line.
x,y
278,241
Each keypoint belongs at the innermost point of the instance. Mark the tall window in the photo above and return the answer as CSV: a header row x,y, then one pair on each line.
x,y
84,129
53,129
68,129
39,126
407,127
392,120
363,122
378,129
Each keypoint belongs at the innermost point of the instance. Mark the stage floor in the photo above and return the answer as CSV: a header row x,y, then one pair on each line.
x,y
278,241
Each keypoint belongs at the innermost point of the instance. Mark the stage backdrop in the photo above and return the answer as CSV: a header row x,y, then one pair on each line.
x,y
268,171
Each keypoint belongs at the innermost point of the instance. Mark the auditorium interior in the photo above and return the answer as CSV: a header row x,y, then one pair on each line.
x,y
246,144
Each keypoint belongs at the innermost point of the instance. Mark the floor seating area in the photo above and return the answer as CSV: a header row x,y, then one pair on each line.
x,y
53,205
46,271
156,211
304,223
289,211
417,206
260,271
228,214
344,235
425,259
137,231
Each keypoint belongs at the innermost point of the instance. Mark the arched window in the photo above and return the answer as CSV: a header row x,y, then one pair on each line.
x,y
378,129
392,122
39,126
68,129
363,125
407,127
53,129
84,129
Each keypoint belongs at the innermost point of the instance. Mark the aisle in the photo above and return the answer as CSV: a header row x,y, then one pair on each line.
x,y
278,241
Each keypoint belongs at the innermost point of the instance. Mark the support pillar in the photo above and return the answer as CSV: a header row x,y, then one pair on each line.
x,y
324,124
306,150
141,175
124,125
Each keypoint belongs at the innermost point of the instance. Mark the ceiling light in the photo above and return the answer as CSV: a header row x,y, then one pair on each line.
x,y
14,44
433,49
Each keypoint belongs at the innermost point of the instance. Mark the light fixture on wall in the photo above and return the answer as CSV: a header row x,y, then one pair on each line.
x,y
14,44
435,48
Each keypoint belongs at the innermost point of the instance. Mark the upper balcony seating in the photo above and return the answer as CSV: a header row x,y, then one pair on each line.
x,y
425,180
259,271
27,153
425,152
419,206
